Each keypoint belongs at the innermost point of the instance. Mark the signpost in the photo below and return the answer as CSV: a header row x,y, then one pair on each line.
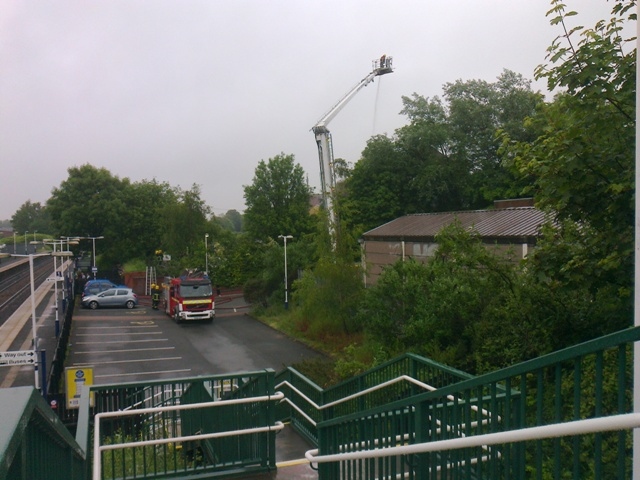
x,y
20,357
76,379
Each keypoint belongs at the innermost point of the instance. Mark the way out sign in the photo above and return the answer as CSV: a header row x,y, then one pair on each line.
x,y
19,357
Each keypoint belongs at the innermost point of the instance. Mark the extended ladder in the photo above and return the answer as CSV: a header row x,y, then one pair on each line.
x,y
150,279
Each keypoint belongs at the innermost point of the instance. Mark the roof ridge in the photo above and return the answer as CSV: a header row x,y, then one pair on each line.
x,y
453,212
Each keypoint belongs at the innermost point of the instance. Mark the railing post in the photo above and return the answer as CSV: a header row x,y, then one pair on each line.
x,y
271,419
43,372
422,427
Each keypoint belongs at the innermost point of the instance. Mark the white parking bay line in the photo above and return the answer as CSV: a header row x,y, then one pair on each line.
x,y
112,334
124,341
129,361
126,351
128,325
141,373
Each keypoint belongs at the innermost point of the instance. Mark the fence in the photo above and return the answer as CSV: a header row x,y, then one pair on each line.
x,y
207,426
588,381
307,404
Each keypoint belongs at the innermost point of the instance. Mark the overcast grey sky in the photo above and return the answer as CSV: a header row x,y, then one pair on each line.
x,y
195,91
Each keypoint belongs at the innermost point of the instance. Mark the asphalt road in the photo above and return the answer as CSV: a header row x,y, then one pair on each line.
x,y
145,344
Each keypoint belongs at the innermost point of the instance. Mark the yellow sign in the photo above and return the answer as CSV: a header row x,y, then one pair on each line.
x,y
75,380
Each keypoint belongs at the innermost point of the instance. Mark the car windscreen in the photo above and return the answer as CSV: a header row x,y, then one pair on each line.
x,y
195,291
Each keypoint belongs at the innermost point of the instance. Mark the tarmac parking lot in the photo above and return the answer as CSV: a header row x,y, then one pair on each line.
x,y
143,344
122,345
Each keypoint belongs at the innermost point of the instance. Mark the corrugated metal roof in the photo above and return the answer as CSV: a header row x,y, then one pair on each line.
x,y
499,223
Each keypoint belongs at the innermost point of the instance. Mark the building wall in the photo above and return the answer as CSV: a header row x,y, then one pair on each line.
x,y
381,254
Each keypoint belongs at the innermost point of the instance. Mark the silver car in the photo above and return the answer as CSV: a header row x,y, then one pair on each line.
x,y
114,297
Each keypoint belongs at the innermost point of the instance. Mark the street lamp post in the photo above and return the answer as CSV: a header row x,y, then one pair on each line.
x,y
206,254
69,241
94,269
14,242
26,252
286,282
35,242
55,284
33,321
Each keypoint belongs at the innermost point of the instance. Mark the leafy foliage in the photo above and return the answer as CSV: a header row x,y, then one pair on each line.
x,y
140,220
135,219
278,200
31,217
185,224
581,165
232,220
88,200
328,296
438,308
446,158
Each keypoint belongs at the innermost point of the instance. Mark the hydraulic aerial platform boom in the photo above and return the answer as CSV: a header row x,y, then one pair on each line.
x,y
323,137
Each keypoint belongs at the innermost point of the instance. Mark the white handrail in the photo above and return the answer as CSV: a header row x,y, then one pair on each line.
x,y
202,436
300,411
578,427
190,406
97,448
380,386
360,393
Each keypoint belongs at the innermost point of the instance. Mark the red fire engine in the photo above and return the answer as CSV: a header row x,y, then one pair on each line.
x,y
189,297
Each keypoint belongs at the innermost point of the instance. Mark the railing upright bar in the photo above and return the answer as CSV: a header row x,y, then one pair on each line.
x,y
622,406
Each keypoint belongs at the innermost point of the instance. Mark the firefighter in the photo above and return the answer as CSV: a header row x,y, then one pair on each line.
x,y
155,296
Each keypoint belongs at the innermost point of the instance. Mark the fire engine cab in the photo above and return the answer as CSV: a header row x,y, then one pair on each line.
x,y
189,297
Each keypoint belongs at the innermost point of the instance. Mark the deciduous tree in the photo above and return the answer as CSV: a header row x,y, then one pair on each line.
x,y
32,217
447,157
581,166
278,200
90,201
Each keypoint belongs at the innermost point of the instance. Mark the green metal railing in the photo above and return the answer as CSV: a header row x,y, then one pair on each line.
x,y
389,421
307,404
178,428
591,380
34,444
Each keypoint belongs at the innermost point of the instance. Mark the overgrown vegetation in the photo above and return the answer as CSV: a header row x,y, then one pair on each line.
x,y
478,142
575,154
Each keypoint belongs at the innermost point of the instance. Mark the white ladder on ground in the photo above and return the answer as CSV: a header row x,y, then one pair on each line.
x,y
150,279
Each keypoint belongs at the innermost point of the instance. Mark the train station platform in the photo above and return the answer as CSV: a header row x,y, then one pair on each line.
x,y
17,335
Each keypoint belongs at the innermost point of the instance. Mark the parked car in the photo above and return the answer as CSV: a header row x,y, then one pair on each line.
x,y
93,287
114,297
